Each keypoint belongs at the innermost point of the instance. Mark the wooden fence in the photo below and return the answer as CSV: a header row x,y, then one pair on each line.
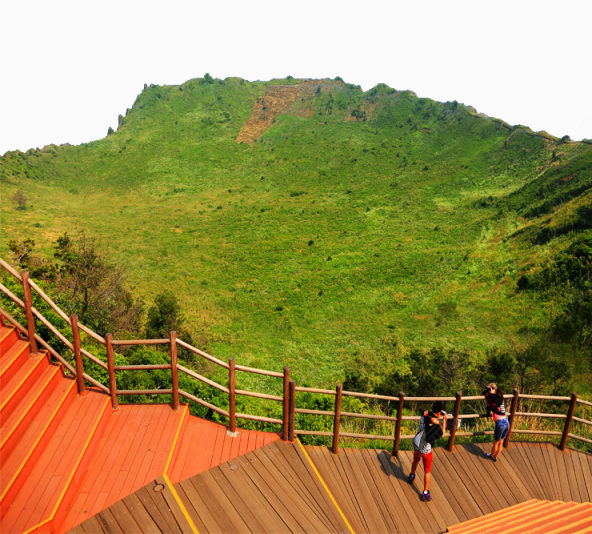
x,y
288,386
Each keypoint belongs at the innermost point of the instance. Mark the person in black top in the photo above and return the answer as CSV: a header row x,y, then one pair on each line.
x,y
495,406
429,431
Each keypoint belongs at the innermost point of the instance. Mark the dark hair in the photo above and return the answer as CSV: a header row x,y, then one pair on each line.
x,y
437,407
498,391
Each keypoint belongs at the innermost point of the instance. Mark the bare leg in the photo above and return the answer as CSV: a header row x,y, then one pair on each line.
x,y
426,481
497,448
414,464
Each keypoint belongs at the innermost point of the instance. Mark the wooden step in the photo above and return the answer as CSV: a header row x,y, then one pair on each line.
x,y
22,418
44,486
12,359
8,335
14,390
135,448
16,466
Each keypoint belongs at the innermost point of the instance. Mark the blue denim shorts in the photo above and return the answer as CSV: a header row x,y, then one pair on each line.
x,y
501,429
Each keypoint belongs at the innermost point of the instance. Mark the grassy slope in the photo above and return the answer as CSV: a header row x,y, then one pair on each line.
x,y
325,237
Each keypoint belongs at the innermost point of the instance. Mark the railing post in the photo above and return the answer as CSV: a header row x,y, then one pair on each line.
x,y
29,312
231,396
286,406
337,418
174,370
111,370
398,424
450,445
570,412
77,354
292,414
513,409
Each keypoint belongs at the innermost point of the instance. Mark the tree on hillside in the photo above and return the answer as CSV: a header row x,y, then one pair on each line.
x,y
94,289
23,256
164,316
20,200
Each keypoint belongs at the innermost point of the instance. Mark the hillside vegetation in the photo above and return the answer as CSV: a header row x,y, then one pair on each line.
x,y
352,235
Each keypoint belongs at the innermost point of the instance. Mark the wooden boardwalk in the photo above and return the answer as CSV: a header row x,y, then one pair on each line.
x,y
284,487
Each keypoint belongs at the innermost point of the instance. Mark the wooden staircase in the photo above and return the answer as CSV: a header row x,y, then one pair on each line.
x,y
65,456
532,516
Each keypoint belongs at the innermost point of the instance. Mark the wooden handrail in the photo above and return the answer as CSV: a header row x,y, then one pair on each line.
x,y
93,358
142,367
258,395
127,342
258,371
586,440
208,405
92,334
144,391
50,302
202,378
289,386
201,353
11,270
583,421
543,415
544,397
369,416
12,296
259,418
313,412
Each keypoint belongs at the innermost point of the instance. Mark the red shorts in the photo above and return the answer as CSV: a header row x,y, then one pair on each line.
x,y
427,460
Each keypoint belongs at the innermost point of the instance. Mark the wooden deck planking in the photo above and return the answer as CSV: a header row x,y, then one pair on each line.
x,y
528,482
429,519
285,510
397,470
586,468
309,488
463,504
534,458
255,519
280,479
203,520
387,503
551,470
156,506
274,489
333,479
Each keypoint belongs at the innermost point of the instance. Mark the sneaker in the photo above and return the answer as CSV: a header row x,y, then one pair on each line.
x,y
425,496
489,457
411,478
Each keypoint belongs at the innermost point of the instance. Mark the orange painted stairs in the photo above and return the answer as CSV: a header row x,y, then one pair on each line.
x,y
533,516
64,457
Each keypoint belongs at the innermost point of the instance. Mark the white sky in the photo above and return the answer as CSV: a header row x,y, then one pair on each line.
x,y
69,68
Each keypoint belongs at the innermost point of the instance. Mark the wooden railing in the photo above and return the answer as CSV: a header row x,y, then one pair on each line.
x,y
288,386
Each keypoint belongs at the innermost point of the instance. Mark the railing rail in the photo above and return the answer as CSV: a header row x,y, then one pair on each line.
x,y
289,387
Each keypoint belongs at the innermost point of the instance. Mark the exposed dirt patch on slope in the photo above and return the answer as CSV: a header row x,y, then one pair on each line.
x,y
278,99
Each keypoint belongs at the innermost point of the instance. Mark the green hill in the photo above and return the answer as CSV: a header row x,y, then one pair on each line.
x,y
349,230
